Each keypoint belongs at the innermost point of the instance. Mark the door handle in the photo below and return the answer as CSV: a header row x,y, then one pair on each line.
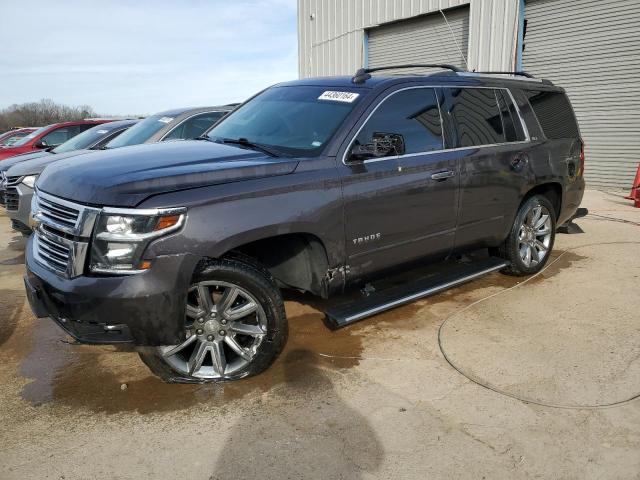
x,y
443,175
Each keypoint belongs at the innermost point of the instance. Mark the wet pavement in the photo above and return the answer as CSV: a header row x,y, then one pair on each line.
x,y
379,399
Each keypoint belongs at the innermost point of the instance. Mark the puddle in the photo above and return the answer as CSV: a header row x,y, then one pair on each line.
x,y
11,309
90,377
419,313
17,242
19,260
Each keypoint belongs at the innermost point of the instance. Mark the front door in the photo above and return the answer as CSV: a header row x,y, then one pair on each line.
x,y
400,187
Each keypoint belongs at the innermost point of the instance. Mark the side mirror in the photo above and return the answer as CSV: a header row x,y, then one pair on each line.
x,y
382,145
41,144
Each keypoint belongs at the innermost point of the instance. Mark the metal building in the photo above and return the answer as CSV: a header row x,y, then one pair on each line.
x,y
590,47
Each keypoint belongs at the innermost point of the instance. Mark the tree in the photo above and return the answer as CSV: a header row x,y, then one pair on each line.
x,y
38,114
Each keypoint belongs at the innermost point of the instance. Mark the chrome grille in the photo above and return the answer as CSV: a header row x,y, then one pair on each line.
x,y
55,254
3,186
62,232
11,197
58,213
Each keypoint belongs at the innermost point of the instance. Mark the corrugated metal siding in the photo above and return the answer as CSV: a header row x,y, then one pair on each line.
x,y
425,39
332,43
592,49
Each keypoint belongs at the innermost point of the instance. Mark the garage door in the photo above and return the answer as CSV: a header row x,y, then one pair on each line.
x,y
425,39
592,48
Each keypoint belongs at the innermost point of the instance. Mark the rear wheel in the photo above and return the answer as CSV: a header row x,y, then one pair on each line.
x,y
235,326
531,238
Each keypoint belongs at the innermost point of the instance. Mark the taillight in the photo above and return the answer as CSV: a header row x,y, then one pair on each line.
x,y
581,172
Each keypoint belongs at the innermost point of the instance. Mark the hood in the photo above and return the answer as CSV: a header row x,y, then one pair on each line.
x,y
17,157
33,164
124,177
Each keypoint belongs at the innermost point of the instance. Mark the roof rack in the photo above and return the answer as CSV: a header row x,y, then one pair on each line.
x,y
520,73
362,75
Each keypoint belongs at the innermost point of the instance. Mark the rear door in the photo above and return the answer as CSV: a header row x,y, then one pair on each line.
x,y
491,142
402,205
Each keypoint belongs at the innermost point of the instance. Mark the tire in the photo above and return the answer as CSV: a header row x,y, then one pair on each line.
x,y
526,239
243,333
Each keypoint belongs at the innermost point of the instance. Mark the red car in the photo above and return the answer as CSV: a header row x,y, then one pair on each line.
x,y
49,136
12,136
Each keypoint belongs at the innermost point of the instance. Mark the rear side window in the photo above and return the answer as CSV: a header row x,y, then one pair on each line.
x,y
476,116
414,114
513,131
554,114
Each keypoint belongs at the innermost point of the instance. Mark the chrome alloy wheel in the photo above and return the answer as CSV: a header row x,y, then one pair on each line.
x,y
225,325
535,236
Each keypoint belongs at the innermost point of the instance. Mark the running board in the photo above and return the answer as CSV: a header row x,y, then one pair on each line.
x,y
344,314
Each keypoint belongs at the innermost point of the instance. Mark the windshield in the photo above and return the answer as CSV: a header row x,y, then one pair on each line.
x,y
85,140
294,120
141,131
30,137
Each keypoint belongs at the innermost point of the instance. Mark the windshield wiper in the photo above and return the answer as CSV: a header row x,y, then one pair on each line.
x,y
243,142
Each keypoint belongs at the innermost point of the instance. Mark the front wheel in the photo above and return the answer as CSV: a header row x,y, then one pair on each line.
x,y
531,238
235,326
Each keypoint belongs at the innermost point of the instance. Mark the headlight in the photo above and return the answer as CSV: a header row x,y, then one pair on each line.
x,y
121,236
30,180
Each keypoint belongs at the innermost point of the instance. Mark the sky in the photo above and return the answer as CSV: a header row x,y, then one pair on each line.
x,y
144,56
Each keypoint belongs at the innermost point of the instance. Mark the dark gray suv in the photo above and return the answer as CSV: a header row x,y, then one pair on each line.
x,y
317,185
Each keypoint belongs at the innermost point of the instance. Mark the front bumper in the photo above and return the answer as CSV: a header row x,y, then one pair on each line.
x,y
144,309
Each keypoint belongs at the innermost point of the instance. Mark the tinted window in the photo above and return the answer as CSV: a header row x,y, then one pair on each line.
x,y
476,116
414,114
194,126
107,139
84,140
56,137
141,131
296,120
513,131
554,114
84,128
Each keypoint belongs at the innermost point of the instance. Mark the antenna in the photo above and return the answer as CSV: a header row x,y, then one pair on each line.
x,y
454,39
